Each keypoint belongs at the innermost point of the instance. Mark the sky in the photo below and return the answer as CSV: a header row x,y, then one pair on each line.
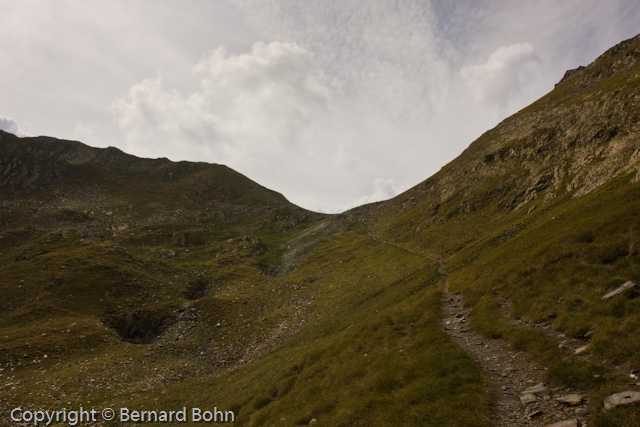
x,y
334,104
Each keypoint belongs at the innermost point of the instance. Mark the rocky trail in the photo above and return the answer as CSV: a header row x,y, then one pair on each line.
x,y
515,384
578,347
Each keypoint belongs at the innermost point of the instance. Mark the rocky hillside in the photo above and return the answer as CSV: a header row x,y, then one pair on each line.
x,y
105,195
580,136
68,178
103,251
158,285
537,223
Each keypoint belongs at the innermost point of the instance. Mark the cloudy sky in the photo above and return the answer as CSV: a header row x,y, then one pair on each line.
x,y
332,103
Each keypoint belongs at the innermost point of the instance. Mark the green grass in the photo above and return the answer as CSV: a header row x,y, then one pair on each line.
x,y
349,337
284,316
372,360
563,266
556,269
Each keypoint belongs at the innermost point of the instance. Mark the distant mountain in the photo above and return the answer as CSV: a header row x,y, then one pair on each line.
x,y
151,284
67,180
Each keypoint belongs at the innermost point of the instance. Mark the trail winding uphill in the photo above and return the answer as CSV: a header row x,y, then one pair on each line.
x,y
515,385
516,388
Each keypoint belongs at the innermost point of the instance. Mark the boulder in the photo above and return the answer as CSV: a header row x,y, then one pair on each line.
x,y
537,390
565,423
570,399
626,285
623,398
582,349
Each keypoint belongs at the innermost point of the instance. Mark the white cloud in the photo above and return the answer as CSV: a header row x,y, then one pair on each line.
x,y
338,93
86,133
504,75
89,53
8,124
381,189
248,106
380,53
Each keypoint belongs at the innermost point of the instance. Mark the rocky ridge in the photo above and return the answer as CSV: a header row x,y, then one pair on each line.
x,y
570,142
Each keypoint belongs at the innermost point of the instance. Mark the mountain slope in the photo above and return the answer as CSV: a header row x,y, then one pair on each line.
x,y
541,214
125,285
82,177
581,135
159,285
103,253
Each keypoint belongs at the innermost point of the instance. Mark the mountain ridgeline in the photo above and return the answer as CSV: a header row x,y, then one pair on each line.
x,y
158,285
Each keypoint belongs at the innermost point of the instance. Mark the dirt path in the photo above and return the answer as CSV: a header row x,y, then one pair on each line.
x,y
508,374
515,385
578,348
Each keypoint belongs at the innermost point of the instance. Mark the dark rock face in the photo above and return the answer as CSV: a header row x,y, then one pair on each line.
x,y
29,163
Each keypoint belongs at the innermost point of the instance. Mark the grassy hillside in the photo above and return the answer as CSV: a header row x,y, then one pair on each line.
x,y
349,337
151,284
543,211
158,285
